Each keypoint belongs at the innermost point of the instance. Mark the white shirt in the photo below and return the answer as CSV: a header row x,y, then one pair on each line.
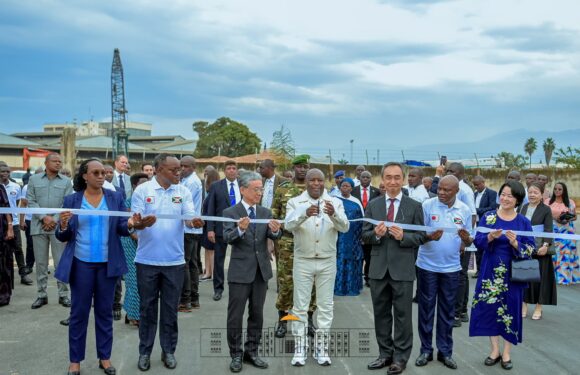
x,y
466,196
356,182
397,203
478,198
236,189
14,193
418,193
268,196
193,184
162,243
23,196
126,182
443,256
335,192
247,207
109,186
315,236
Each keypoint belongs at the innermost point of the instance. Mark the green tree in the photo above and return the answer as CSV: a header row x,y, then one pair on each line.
x,y
569,156
282,143
530,147
509,160
342,162
224,137
549,147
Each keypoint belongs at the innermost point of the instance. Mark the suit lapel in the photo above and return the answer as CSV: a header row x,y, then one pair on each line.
x,y
402,206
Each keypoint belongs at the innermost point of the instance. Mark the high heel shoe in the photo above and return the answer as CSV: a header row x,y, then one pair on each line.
x,y
109,370
506,365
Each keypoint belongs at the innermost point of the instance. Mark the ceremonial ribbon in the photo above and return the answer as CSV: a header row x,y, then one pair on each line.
x,y
52,211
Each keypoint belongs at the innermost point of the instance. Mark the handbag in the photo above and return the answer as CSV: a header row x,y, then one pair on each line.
x,y
525,271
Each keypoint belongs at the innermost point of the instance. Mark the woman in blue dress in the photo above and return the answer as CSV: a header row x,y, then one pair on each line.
x,y
497,304
131,302
349,255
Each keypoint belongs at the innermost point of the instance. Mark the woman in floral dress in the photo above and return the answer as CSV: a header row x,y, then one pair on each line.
x,y
565,260
497,303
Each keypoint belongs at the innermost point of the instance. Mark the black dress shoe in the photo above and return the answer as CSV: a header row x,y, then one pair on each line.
x,y
65,322
236,364
396,368
73,373
448,362
464,317
26,280
492,361
40,301
109,370
379,363
64,301
423,359
144,362
117,314
168,360
456,322
217,296
281,329
195,304
506,365
255,361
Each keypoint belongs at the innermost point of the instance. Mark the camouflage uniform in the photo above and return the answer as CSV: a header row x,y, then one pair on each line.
x,y
285,255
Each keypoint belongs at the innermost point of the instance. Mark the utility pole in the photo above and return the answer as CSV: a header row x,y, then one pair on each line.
x,y
367,154
351,142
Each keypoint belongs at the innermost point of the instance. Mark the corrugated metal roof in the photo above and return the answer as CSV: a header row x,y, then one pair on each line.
x,y
96,142
187,146
9,140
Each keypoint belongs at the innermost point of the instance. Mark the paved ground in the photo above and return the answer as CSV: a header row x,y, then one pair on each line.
x,y
32,341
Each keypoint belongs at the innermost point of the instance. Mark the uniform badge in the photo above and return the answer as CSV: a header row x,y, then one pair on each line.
x,y
176,199
435,218
12,193
150,200
457,220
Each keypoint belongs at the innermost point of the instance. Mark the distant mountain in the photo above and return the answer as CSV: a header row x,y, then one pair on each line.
x,y
511,141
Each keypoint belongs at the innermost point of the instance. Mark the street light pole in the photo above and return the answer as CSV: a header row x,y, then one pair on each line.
x,y
351,142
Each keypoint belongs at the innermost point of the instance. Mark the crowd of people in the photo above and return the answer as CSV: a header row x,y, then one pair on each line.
x,y
315,235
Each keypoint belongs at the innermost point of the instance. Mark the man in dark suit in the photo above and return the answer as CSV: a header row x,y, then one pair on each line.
x,y
271,180
392,269
485,200
222,194
366,193
249,270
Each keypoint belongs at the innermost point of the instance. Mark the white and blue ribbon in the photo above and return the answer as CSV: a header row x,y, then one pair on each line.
x,y
537,232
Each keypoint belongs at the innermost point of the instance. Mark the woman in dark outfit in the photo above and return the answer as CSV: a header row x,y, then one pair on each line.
x,y
544,292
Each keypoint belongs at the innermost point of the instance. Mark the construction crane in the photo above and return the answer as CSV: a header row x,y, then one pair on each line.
x,y
118,111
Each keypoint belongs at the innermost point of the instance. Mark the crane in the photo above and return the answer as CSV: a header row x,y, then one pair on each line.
x,y
118,111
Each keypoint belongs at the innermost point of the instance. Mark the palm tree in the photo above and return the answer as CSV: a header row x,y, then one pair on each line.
x,y
549,147
530,147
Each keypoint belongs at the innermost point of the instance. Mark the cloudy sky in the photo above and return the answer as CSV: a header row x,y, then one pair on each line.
x,y
387,74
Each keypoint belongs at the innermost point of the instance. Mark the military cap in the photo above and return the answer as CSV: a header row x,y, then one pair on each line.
x,y
301,159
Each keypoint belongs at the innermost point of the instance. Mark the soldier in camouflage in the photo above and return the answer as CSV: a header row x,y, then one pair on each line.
x,y
285,256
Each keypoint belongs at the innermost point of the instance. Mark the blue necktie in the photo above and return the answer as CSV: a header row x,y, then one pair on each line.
x,y
122,185
252,217
232,194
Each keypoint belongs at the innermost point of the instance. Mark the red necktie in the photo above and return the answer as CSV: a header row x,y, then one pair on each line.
x,y
365,198
391,212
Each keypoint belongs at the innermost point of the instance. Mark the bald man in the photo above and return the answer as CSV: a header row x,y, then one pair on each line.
x,y
415,185
439,270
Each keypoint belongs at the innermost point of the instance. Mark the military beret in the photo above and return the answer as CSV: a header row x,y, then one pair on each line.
x,y
339,173
301,159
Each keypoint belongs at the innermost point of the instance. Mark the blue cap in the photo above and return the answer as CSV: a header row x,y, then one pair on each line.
x,y
338,174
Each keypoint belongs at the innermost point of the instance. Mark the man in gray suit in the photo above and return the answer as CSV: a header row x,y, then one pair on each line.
x,y
392,269
47,190
249,269
121,180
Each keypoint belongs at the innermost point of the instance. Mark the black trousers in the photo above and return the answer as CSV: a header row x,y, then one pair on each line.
x,y
219,259
191,277
15,245
462,297
159,284
392,301
29,247
254,294
367,257
437,289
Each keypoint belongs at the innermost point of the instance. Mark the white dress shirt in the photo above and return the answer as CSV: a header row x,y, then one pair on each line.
x,y
397,203
418,193
193,184
236,189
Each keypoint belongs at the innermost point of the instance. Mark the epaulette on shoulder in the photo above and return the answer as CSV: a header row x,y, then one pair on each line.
x,y
285,184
